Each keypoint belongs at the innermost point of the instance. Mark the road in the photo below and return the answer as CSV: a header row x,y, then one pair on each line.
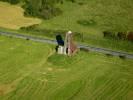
x,y
85,47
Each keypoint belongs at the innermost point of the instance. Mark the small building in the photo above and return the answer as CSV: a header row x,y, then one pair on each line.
x,y
68,47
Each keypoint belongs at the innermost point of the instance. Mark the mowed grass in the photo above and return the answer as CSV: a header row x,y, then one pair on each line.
x,y
33,71
12,17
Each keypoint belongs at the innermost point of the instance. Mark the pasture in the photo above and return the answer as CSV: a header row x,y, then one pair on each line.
x,y
12,17
89,18
33,71
93,16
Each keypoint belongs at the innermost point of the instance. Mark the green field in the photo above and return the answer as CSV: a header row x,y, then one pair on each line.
x,y
91,18
33,71
100,15
87,17
95,16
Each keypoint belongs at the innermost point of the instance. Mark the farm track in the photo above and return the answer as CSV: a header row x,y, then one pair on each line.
x,y
86,47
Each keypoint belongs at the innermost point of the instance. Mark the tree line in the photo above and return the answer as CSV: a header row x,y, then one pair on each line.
x,y
11,1
40,8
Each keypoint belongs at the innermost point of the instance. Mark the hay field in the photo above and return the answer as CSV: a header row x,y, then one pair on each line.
x,y
11,17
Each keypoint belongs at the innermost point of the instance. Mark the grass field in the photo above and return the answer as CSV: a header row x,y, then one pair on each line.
x,y
95,16
33,71
88,17
91,18
11,16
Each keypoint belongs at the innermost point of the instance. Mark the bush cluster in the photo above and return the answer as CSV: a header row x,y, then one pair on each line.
x,y
11,1
119,35
42,8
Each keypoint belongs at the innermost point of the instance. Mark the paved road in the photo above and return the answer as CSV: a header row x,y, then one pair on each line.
x,y
85,47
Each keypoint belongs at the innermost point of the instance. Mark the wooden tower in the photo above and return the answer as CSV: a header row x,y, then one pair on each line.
x,y
69,47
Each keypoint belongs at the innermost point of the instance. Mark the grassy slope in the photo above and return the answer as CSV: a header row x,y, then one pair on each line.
x,y
31,71
12,17
119,19
107,15
72,12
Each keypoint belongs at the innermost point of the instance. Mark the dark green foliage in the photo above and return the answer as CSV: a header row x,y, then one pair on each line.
x,y
109,34
45,9
81,3
122,56
113,35
109,55
42,8
27,39
121,35
71,1
12,1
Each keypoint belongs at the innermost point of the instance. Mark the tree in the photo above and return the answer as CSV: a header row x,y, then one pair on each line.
x,y
12,1
42,8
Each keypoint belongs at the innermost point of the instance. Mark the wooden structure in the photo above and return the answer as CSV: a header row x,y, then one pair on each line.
x,y
69,47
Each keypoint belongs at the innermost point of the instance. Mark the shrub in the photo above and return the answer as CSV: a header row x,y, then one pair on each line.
x,y
45,9
27,39
14,1
130,36
108,34
73,1
122,56
11,1
121,35
81,3
86,22
109,55
22,28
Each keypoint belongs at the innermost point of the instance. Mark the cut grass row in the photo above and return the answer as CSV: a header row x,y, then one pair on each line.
x,y
43,76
